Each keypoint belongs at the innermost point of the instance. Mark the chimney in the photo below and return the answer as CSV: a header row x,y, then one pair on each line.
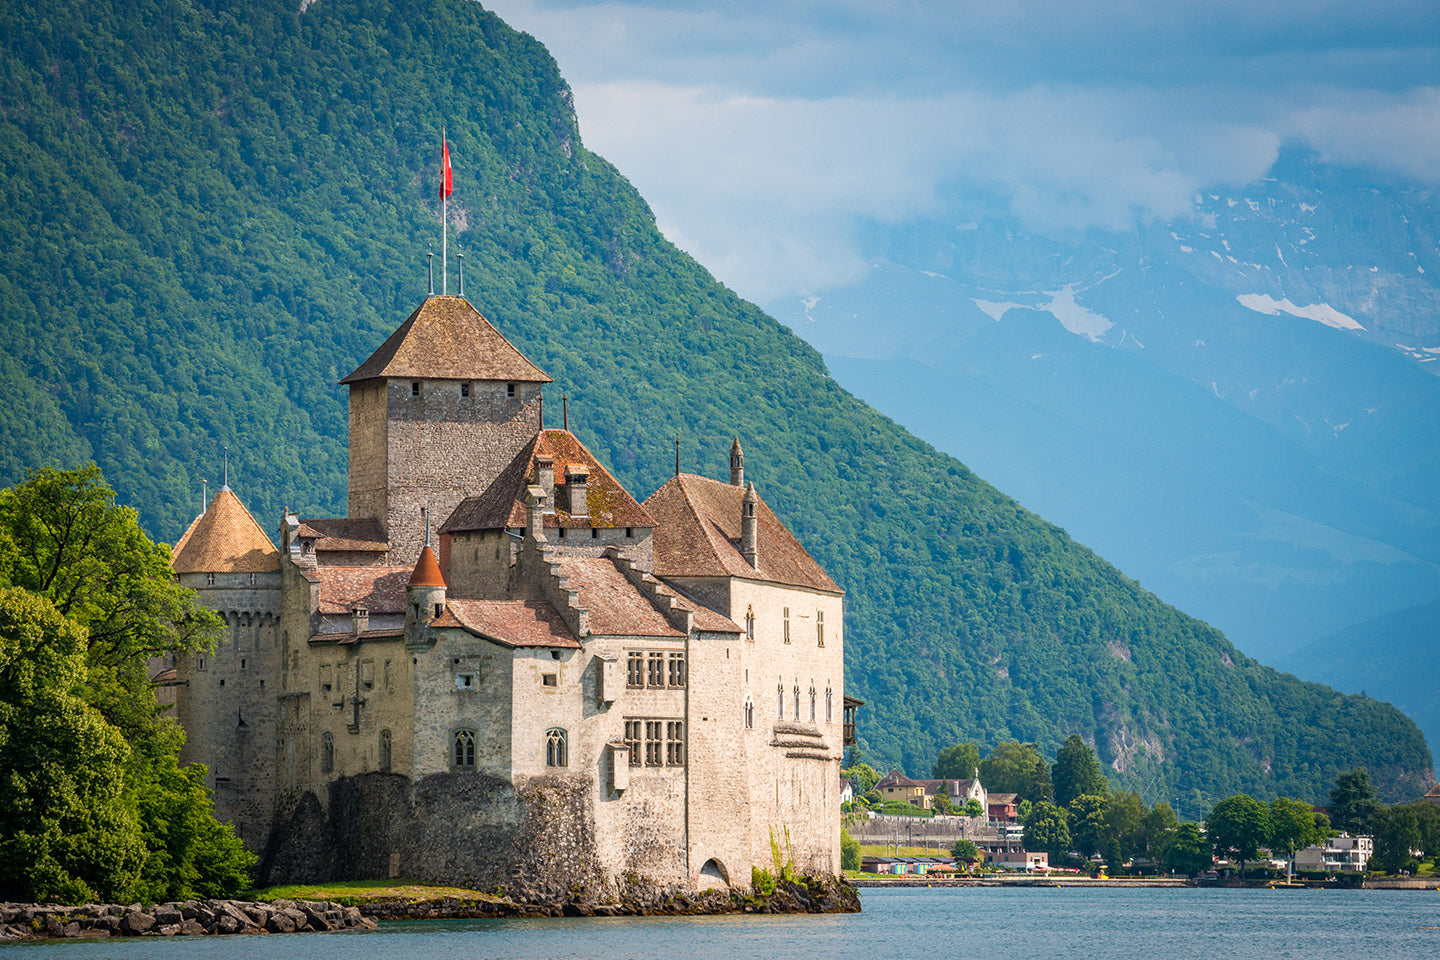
x,y
545,480
362,620
535,513
577,477
749,534
737,464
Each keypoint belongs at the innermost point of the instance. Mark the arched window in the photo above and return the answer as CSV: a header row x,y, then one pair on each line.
x,y
820,628
787,624
555,748
812,704
464,753
797,701
780,700
749,714
327,752
384,751
750,623
829,705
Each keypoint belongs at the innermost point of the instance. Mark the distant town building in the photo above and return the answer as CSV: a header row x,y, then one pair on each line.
x,y
1342,854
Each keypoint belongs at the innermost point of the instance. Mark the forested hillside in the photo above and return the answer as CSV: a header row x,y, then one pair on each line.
x,y
212,211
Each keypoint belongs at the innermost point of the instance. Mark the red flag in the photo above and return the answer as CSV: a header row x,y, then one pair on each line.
x,y
447,185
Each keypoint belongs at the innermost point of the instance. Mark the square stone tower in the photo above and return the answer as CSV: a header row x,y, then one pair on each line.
x,y
435,414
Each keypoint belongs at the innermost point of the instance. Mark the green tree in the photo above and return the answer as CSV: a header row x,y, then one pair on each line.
x,y
1397,837
66,831
1047,829
1353,802
1237,827
1188,851
1022,810
1124,819
849,851
956,763
1089,830
1157,829
1018,768
1076,772
941,801
1292,827
965,850
863,776
973,808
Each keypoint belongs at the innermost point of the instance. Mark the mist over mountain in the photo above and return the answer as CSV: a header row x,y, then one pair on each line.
x,y
213,211
1239,408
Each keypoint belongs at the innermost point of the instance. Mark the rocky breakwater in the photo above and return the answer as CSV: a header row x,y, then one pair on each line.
x,y
20,921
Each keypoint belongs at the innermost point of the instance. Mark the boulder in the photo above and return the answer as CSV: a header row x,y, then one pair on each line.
x,y
136,923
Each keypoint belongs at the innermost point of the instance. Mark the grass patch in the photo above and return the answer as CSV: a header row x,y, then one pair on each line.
x,y
353,893
882,850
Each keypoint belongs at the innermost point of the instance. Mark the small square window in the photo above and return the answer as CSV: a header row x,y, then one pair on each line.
x,y
549,680
464,681
252,579
629,532
414,388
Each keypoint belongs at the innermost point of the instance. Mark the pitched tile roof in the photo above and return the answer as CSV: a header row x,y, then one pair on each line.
x,y
704,618
897,779
447,339
225,539
697,534
427,570
617,607
608,504
514,623
377,589
345,533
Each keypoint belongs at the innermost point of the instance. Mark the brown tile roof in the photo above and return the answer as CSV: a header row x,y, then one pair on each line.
x,y
704,618
427,570
608,504
617,608
344,533
897,779
225,539
513,623
349,638
697,534
378,589
447,339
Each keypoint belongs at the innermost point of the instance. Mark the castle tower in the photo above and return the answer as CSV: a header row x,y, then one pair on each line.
x,y
424,599
221,700
435,414
737,464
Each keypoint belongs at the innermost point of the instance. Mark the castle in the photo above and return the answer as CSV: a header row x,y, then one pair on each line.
x,y
502,670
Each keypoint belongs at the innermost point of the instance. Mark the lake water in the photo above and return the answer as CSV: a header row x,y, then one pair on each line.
x,y
1012,924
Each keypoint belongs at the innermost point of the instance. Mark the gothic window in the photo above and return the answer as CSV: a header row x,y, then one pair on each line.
x,y
787,624
635,669
654,743
797,701
829,705
384,751
209,579
749,714
656,676
780,700
820,628
677,669
633,730
675,743
812,704
327,752
750,623
464,753
556,753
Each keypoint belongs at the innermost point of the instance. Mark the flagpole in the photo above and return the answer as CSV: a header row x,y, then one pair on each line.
x,y
444,226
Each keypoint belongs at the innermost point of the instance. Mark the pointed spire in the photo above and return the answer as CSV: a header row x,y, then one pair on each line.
x,y
427,570
227,469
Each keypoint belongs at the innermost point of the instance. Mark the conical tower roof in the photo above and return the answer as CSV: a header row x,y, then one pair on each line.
x,y
427,570
447,339
225,539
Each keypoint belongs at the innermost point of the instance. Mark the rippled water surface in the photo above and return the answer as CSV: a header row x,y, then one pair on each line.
x,y
1004,924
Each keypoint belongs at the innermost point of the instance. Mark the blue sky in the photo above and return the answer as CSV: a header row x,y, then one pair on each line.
x,y
763,133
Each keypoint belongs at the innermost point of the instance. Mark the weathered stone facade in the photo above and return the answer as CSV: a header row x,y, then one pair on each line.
x,y
574,693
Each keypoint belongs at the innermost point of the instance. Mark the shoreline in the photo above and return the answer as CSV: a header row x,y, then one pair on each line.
x,y
1420,883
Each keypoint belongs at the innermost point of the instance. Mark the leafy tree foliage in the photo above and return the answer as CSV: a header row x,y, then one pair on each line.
x,y
1237,827
973,808
863,776
1397,837
965,850
1188,851
1157,829
1088,829
1018,768
1048,829
65,544
958,762
1293,826
1353,802
849,851
1076,772
210,212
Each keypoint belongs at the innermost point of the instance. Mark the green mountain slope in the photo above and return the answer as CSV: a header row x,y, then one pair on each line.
x,y
212,211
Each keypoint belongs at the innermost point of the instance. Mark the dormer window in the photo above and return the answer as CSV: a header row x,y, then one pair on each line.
x,y
414,388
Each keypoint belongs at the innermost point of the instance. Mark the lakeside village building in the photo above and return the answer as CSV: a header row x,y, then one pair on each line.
x,y
500,669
